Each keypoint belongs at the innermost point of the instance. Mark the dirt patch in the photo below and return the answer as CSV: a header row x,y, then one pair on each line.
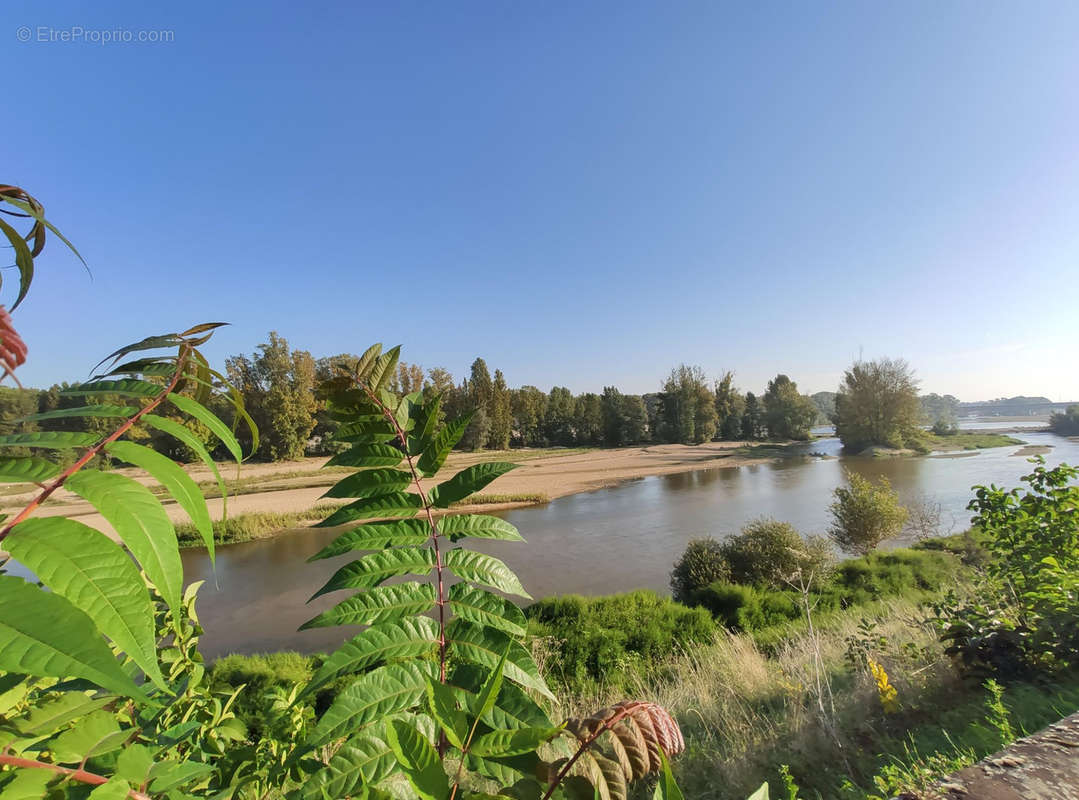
x,y
1033,450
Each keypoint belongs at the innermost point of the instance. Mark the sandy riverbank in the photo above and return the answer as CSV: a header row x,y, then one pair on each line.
x,y
295,486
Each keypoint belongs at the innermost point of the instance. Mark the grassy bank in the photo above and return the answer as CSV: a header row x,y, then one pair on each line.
x,y
498,499
772,691
267,524
248,527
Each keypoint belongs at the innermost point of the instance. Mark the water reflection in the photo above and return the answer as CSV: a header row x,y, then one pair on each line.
x,y
593,543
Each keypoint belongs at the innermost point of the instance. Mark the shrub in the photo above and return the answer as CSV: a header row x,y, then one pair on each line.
x,y
702,563
1066,424
609,639
945,427
905,573
259,674
865,514
901,572
1023,616
747,608
769,553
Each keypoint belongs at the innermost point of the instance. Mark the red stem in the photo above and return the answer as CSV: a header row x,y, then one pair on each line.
x,y
441,602
608,724
80,775
97,448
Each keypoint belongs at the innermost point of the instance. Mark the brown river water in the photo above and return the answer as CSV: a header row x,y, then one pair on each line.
x,y
598,542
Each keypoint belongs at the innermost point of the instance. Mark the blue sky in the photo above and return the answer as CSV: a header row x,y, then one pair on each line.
x,y
582,195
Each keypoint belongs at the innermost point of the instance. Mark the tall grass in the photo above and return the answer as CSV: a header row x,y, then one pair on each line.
x,y
257,525
744,712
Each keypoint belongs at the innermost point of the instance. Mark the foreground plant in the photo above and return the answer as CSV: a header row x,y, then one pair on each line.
x,y
102,686
1022,619
445,692
101,681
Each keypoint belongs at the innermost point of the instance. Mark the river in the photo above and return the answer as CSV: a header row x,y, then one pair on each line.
x,y
599,542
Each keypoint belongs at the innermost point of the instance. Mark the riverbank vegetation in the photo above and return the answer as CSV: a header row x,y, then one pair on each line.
x,y
1066,424
860,680
877,405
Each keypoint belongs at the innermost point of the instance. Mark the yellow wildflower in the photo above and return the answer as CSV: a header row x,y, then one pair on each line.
x,y
889,697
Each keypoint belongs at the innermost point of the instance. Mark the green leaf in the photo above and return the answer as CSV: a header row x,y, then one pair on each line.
x,y
760,794
367,455
511,742
28,784
393,504
418,761
128,387
149,343
370,482
404,638
482,568
484,608
36,213
27,470
210,420
442,701
515,708
507,773
377,535
488,694
83,565
94,735
185,435
113,789
667,789
53,440
383,368
485,646
362,761
167,775
57,711
43,634
380,604
140,522
478,526
373,697
363,365
434,455
134,763
426,425
466,482
183,489
373,569
373,430
24,260
105,411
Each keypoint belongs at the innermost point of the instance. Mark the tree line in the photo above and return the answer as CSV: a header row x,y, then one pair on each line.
x,y
877,404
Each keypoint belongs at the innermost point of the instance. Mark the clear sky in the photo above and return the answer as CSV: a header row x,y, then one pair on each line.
x,y
584,194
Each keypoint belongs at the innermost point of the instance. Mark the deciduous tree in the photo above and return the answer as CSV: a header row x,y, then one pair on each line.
x,y
787,414
878,404
278,387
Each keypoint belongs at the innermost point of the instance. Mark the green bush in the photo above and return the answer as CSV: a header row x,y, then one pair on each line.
x,y
747,608
895,573
260,673
609,639
1022,619
908,573
702,563
865,515
769,553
